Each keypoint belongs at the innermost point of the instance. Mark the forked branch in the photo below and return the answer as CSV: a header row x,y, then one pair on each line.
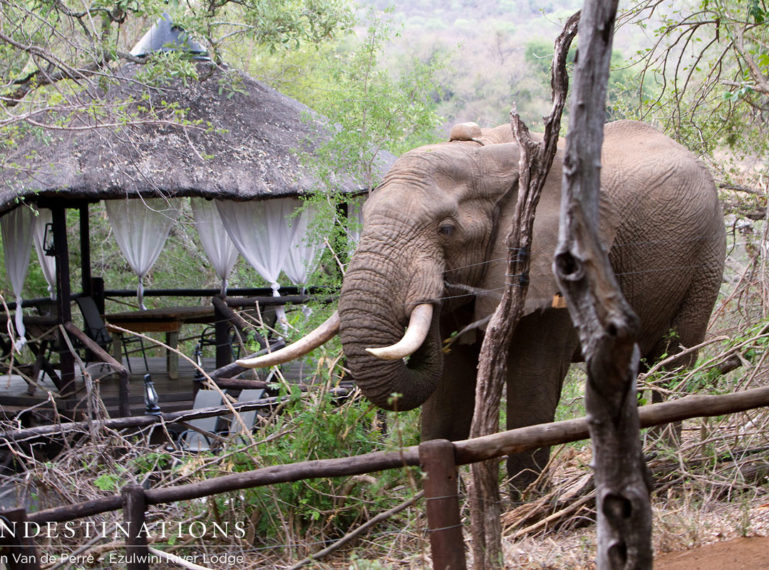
x,y
534,165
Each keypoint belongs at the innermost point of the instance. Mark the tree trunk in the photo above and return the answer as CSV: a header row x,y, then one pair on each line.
x,y
534,165
607,326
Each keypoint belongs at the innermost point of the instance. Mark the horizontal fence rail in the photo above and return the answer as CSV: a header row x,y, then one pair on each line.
x,y
465,452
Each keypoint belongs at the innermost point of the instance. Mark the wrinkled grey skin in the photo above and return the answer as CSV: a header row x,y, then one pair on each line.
x,y
434,231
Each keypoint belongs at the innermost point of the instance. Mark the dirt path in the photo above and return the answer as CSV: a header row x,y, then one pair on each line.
x,y
737,554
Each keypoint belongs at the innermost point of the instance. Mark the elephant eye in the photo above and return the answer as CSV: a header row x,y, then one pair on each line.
x,y
446,229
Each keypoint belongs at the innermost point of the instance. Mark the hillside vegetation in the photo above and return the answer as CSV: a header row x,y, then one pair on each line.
x,y
495,54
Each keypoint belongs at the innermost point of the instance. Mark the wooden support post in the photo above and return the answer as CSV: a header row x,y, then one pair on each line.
x,y
85,251
18,546
63,291
172,359
134,505
97,292
221,334
124,407
441,493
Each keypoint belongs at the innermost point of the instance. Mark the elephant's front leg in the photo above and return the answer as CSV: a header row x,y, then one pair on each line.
x,y
540,354
447,414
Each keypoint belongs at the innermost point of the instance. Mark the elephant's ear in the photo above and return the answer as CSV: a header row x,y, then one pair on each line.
x,y
543,290
498,171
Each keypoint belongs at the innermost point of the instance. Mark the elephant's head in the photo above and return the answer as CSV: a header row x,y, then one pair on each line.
x,y
426,233
428,237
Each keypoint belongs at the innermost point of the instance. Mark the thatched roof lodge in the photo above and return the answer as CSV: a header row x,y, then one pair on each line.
x,y
225,136
220,139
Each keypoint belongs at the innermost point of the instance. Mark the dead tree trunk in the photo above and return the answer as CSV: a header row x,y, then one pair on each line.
x,y
534,164
607,325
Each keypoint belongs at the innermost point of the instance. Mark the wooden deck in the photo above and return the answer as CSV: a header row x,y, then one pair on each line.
x,y
173,394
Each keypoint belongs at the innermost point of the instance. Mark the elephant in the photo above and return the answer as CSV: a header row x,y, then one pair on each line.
x,y
432,259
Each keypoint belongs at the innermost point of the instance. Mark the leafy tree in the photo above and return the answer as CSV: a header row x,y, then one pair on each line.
x,y
709,66
71,46
372,109
370,105
623,80
367,107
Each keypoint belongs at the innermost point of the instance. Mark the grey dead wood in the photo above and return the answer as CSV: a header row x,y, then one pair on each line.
x,y
606,324
104,356
534,165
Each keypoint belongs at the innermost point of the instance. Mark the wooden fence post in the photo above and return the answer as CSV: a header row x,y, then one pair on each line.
x,y
441,493
134,505
17,548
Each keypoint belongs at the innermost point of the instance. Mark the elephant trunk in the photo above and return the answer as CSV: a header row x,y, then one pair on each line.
x,y
373,313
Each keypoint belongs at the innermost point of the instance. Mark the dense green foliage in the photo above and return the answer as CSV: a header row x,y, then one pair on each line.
x,y
370,107
319,429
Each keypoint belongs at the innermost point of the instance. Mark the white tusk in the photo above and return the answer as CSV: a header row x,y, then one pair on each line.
x,y
419,326
312,340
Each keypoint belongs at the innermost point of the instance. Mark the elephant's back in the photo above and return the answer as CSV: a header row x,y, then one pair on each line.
x,y
659,184
670,233
636,156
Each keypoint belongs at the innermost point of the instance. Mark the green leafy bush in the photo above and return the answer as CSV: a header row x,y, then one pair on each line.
x,y
319,508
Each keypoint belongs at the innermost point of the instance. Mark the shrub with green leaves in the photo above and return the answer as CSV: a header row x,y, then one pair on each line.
x,y
310,428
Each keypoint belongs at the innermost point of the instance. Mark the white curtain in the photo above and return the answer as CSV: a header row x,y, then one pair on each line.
x,y
47,262
141,228
219,248
304,253
355,220
261,232
16,227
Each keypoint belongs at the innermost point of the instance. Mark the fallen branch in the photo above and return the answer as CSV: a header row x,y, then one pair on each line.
x,y
740,188
358,531
586,501
61,429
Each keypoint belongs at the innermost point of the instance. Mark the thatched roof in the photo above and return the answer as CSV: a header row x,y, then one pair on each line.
x,y
240,143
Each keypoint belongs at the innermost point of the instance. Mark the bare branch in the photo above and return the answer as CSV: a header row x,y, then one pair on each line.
x,y
534,164
762,83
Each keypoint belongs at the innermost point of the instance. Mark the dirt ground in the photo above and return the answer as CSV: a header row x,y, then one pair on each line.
x,y
738,554
695,527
